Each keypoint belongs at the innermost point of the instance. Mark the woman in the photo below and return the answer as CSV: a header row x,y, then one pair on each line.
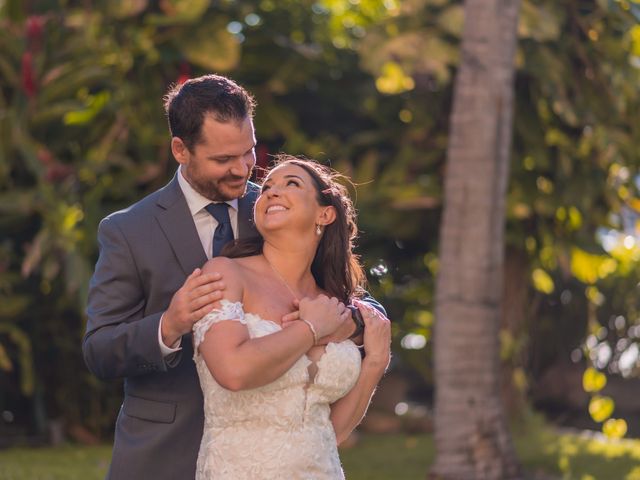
x,y
279,396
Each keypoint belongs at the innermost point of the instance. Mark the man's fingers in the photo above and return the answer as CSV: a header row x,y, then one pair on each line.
x,y
368,319
208,299
195,280
201,312
206,289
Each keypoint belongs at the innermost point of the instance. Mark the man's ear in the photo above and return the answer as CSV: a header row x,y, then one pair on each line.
x,y
179,150
327,216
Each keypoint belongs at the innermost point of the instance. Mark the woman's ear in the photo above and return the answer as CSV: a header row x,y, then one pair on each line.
x,y
327,216
179,150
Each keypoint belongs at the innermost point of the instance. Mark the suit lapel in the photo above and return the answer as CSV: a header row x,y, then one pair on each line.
x,y
176,223
246,226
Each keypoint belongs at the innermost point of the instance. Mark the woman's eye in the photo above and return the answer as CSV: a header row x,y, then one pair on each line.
x,y
292,182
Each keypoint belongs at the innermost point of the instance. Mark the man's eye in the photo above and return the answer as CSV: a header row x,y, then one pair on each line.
x,y
265,188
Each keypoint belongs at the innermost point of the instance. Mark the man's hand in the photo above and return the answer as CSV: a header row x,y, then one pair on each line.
x,y
377,336
190,303
327,315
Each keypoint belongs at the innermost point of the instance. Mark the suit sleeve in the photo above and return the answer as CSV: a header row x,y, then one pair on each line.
x,y
367,298
120,341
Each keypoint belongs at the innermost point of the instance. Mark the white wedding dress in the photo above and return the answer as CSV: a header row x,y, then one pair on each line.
x,y
281,430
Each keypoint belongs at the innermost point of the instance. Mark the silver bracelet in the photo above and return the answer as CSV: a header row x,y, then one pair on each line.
x,y
313,330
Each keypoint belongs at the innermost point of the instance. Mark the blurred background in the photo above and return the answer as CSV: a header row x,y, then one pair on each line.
x,y
365,86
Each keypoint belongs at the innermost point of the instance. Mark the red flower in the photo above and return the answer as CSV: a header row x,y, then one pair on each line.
x,y
28,76
35,29
262,162
58,172
185,73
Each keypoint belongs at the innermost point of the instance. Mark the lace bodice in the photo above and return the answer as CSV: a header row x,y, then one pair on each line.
x,y
281,430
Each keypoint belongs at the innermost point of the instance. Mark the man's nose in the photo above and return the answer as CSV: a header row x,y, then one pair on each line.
x,y
243,165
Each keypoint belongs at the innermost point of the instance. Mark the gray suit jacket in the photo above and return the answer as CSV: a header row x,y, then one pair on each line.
x,y
146,252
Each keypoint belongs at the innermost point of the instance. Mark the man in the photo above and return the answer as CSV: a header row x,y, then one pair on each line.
x,y
147,290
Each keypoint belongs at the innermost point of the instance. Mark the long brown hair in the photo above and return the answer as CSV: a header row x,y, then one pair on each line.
x,y
335,268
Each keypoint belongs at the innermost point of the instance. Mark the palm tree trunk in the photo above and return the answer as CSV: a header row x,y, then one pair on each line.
x,y
471,433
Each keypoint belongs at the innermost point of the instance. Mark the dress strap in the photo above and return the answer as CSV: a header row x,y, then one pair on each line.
x,y
227,311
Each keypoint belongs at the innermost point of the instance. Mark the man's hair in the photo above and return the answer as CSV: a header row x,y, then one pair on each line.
x,y
187,104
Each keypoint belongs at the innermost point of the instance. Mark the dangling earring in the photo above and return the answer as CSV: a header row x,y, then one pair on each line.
x,y
318,230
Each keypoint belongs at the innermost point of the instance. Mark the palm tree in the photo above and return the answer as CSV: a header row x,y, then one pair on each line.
x,y
471,432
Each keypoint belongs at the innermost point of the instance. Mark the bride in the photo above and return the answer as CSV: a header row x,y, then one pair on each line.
x,y
279,396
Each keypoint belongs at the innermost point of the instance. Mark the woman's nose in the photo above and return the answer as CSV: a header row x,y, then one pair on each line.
x,y
273,192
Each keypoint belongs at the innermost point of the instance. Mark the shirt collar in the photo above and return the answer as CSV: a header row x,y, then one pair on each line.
x,y
196,201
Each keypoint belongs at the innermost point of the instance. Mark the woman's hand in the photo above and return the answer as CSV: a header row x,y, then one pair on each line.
x,y
327,315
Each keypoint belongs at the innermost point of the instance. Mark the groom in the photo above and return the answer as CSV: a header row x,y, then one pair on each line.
x,y
147,289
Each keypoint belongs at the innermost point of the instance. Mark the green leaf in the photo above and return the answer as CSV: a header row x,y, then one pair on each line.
x,y
539,23
94,103
614,428
212,47
5,361
179,12
126,8
588,268
542,281
601,408
13,305
393,80
451,20
593,380
25,356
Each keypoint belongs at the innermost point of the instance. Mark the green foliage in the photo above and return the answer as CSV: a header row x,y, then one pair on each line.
x,y
593,380
363,85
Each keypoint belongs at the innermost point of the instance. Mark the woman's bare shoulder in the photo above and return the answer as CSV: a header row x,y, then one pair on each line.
x,y
221,265
232,276
236,272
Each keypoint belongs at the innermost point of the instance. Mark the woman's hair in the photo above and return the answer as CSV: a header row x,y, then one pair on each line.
x,y
335,267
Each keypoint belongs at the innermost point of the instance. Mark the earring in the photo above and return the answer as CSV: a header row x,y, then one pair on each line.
x,y
318,230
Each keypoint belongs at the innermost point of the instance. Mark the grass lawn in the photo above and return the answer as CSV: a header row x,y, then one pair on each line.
x,y
376,457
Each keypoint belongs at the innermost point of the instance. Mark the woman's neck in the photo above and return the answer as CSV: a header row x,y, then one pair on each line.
x,y
293,265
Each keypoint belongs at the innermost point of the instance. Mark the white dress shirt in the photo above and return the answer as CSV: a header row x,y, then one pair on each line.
x,y
206,226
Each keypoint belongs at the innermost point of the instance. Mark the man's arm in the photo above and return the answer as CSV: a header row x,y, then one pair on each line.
x,y
347,412
120,341
369,300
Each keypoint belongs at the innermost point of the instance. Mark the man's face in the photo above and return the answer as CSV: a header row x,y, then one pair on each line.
x,y
221,164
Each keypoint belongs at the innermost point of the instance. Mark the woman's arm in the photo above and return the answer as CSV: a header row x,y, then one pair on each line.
x,y
347,412
238,362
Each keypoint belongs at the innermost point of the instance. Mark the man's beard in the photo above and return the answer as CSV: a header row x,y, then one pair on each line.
x,y
213,192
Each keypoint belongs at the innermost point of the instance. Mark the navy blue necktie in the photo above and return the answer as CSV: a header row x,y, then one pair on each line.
x,y
224,232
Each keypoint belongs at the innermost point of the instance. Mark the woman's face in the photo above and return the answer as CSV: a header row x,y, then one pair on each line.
x,y
289,200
